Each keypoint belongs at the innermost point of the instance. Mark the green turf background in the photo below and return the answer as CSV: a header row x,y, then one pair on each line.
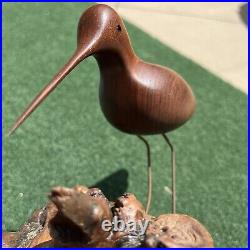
x,y
68,141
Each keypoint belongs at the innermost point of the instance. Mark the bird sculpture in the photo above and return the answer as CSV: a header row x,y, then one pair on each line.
x,y
136,97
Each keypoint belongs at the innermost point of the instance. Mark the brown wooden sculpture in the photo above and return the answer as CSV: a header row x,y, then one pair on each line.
x,y
73,218
136,97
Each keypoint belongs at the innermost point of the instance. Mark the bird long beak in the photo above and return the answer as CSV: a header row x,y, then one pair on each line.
x,y
77,57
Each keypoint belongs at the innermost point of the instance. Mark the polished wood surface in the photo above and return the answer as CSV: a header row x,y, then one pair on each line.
x,y
135,96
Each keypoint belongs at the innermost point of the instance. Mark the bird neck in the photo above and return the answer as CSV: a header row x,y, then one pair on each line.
x,y
119,55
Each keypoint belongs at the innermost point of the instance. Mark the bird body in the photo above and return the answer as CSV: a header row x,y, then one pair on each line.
x,y
145,98
136,97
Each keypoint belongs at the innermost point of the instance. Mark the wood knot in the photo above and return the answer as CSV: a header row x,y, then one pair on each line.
x,y
177,231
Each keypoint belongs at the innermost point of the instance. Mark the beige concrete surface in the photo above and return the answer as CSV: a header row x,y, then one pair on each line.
x,y
211,34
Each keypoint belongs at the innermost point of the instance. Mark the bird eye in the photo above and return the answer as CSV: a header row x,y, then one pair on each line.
x,y
119,28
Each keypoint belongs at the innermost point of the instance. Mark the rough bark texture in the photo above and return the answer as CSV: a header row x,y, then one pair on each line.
x,y
73,218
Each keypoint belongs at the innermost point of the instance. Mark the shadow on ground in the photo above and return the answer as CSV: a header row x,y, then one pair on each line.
x,y
244,13
114,185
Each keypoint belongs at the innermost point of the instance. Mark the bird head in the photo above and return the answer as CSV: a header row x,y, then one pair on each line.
x,y
99,29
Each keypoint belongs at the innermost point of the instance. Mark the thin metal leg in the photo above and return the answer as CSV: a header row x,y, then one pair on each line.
x,y
149,173
173,166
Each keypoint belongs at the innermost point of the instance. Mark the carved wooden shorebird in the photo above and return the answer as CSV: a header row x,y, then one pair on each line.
x,y
136,97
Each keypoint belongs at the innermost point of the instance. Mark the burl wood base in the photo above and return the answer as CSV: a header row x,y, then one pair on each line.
x,y
73,218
